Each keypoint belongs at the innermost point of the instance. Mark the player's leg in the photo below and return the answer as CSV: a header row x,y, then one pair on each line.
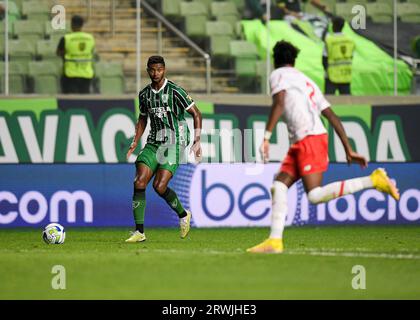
x,y
284,180
319,194
146,165
160,184
143,176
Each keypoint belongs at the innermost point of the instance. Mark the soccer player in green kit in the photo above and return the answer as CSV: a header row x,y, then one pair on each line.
x,y
165,104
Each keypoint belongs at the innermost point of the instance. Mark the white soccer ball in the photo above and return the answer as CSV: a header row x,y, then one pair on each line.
x,y
54,234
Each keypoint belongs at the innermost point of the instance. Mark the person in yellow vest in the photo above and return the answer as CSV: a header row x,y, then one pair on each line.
x,y
337,59
77,50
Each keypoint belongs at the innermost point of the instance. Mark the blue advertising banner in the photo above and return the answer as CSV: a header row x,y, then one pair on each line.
x,y
219,195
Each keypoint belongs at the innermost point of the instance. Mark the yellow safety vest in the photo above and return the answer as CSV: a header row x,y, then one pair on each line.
x,y
78,58
340,50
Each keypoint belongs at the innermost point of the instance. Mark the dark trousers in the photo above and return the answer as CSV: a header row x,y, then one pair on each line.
x,y
331,87
75,85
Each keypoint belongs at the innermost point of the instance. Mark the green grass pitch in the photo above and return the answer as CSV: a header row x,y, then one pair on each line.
x,y
213,264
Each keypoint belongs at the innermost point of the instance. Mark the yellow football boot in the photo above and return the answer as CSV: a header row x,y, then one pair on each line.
x,y
381,182
268,246
184,224
136,236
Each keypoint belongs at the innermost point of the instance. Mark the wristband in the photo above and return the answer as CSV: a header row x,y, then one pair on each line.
x,y
267,135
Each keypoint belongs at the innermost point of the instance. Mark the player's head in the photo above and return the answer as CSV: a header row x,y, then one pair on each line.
x,y
337,24
76,23
284,54
156,68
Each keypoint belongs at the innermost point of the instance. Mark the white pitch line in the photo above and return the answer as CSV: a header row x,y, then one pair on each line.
x,y
333,252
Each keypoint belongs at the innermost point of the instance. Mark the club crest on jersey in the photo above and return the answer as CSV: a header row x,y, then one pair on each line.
x,y
165,98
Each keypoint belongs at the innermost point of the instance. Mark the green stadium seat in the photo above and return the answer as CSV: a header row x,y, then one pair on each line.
x,y
171,8
36,10
16,78
46,49
379,12
232,20
223,8
409,12
220,33
110,77
354,2
45,77
246,56
261,70
207,3
344,10
245,61
21,50
28,30
240,4
195,14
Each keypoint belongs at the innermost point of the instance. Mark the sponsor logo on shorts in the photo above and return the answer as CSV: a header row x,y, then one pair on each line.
x,y
307,167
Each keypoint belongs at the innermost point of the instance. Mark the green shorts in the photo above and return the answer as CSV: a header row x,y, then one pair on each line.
x,y
166,157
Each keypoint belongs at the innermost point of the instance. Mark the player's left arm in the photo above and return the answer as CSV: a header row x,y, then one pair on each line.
x,y
277,109
335,121
198,123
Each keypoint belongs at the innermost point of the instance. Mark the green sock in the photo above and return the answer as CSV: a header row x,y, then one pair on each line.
x,y
172,199
139,205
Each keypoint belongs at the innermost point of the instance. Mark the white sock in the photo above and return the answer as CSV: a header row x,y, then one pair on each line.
x,y
338,189
279,210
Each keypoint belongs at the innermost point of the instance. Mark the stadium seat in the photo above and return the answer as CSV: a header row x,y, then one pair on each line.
x,y
245,63
246,55
29,30
344,10
110,77
224,8
46,49
261,71
409,12
207,3
21,50
44,77
240,5
16,78
36,10
195,14
379,12
171,8
232,20
220,33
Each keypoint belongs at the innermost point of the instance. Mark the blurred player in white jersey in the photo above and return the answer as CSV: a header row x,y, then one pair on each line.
x,y
299,100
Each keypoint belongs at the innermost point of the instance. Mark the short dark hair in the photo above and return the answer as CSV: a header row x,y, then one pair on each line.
x,y
337,24
155,60
284,53
77,21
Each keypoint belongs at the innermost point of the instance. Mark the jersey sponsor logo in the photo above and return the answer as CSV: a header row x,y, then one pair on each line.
x,y
165,98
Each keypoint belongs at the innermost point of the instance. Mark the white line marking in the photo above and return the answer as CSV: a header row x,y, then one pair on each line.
x,y
330,252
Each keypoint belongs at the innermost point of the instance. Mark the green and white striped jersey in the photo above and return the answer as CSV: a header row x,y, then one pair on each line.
x,y
166,110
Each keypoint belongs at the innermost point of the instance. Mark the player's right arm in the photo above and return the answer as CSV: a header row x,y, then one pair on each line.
x,y
335,121
277,109
140,127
